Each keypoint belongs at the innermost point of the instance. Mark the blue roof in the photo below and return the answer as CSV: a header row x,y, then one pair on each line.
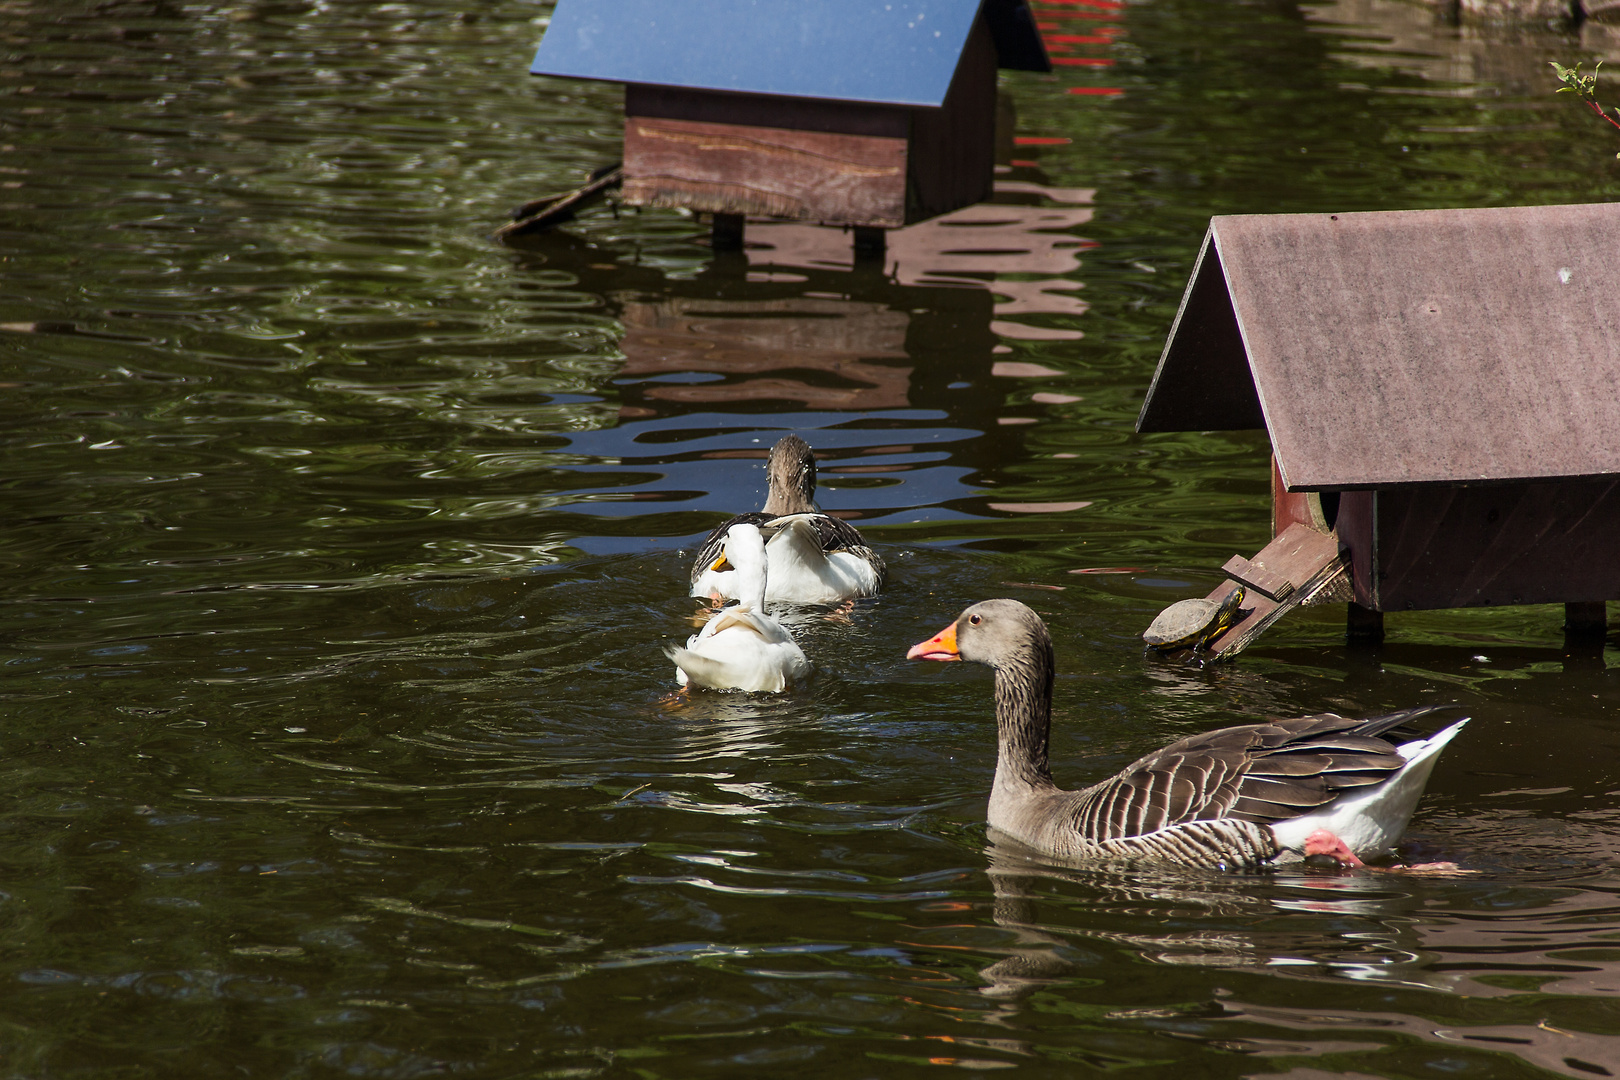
x,y
899,52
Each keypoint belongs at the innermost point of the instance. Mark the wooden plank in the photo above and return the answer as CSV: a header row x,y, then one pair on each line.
x,y
952,162
1449,546
828,177
553,210
1308,559
1271,585
1317,509
767,110
1354,527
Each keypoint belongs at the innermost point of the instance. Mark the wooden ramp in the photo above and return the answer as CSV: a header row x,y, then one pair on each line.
x,y
1300,567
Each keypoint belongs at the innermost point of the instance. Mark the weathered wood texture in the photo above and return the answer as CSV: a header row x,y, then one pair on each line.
x,y
1311,508
768,172
552,210
1440,547
1422,346
767,110
952,161
1256,578
835,162
1307,560
1590,619
1203,382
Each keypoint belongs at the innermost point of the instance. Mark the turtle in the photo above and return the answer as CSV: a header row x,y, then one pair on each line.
x,y
1192,624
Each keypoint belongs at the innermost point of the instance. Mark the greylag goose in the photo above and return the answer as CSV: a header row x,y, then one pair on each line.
x,y
1246,796
741,648
814,558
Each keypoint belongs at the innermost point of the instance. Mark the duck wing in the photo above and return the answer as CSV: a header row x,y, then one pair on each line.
x,y
835,534
740,649
1260,773
747,620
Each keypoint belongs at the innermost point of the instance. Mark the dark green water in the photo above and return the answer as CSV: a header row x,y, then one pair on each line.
x,y
341,545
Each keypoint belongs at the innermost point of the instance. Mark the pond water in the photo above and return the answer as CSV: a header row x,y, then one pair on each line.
x,y
341,545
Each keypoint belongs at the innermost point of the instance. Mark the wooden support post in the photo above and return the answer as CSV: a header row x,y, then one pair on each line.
x,y
1586,620
1363,625
727,234
871,241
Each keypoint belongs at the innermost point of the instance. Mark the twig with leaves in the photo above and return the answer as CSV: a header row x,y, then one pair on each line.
x,y
1583,86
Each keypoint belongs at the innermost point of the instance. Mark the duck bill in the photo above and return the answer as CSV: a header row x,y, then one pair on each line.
x,y
942,646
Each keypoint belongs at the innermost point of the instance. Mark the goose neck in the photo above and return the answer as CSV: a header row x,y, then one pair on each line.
x,y
1024,719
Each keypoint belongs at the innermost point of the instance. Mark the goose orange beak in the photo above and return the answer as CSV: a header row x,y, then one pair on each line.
x,y
942,646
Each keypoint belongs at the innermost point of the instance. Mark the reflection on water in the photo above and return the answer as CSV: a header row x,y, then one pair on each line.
x,y
1024,253
836,348
341,544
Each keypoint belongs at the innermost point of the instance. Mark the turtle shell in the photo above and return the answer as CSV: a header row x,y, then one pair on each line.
x,y
1188,624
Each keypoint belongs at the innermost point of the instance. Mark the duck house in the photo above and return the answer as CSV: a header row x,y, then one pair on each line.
x,y
1442,393
865,113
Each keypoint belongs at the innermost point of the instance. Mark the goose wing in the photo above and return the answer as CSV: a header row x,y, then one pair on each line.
x,y
1259,773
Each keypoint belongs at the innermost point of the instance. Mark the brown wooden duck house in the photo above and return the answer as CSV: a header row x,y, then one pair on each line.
x,y
865,113
1442,393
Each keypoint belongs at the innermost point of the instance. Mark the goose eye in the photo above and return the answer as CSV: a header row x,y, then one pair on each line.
x,y
975,619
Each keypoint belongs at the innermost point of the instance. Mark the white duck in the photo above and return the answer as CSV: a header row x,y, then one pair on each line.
x,y
1244,796
741,648
814,558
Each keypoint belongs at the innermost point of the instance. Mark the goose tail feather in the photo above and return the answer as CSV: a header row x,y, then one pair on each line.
x,y
1371,819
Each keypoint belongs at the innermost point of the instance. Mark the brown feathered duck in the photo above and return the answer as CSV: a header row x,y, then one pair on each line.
x,y
1241,797
814,558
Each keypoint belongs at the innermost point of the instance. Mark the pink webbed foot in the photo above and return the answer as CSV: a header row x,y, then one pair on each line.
x,y
1323,842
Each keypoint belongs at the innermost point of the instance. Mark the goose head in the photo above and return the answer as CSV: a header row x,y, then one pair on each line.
x,y
1010,638
998,633
791,476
